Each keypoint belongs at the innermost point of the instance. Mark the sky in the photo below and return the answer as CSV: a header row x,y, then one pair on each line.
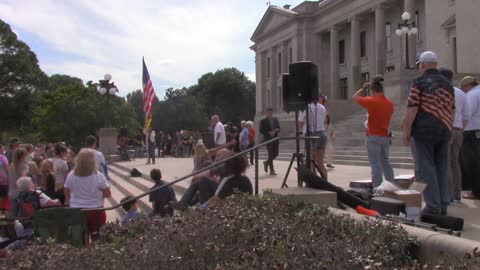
x,y
180,40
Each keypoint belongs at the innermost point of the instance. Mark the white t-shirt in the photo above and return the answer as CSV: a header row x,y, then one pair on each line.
x,y
100,160
60,168
219,128
43,198
460,107
85,191
316,117
473,109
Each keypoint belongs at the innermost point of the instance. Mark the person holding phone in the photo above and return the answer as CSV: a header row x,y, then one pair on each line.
x,y
378,139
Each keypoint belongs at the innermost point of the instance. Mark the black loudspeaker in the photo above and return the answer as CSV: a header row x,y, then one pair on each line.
x,y
387,206
302,86
124,131
314,181
135,173
452,223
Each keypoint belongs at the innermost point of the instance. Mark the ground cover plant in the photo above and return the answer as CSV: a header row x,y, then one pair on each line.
x,y
241,233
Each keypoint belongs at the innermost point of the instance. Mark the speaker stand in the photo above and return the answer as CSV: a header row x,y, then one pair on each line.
x,y
299,158
295,156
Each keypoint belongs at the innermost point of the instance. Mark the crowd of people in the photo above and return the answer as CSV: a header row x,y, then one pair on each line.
x,y
53,175
441,126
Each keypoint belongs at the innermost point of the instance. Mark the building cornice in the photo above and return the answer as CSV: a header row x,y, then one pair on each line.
x,y
272,9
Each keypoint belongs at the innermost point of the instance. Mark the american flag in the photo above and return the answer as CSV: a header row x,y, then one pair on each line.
x,y
148,95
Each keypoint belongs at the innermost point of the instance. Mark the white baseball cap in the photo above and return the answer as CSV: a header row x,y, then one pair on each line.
x,y
428,57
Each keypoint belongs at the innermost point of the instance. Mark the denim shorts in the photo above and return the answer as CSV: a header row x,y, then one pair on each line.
x,y
321,143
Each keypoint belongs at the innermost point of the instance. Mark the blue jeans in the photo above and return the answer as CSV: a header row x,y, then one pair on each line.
x,y
431,168
378,149
13,206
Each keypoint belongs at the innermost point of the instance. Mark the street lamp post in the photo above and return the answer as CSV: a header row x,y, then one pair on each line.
x,y
408,29
108,89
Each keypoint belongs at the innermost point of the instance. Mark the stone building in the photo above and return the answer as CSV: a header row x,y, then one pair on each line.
x,y
353,40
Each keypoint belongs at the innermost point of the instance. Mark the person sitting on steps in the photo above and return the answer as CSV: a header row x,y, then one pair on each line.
x,y
160,198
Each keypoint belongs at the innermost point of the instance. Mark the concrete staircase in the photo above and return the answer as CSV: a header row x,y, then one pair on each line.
x,y
122,185
349,142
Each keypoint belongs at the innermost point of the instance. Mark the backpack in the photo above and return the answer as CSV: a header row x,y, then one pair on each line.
x,y
27,203
135,173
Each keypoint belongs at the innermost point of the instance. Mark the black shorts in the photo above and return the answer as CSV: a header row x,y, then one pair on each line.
x,y
3,191
321,143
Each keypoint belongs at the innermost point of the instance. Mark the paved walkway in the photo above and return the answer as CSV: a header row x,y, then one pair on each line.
x,y
173,168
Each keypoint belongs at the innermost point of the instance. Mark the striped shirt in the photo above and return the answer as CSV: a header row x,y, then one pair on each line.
x,y
434,96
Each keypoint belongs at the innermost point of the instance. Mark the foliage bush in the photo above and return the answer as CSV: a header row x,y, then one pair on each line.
x,y
243,233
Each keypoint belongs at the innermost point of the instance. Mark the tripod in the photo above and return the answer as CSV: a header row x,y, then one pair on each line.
x,y
295,156
299,157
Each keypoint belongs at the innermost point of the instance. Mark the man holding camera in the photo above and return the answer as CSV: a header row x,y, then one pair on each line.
x,y
380,111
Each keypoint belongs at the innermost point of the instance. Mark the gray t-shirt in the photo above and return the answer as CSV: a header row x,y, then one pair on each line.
x,y
60,167
13,176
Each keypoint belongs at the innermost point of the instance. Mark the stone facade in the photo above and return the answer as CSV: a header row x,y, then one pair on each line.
x,y
352,40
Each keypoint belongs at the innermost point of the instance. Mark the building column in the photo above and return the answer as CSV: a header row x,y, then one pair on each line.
x,y
380,36
258,84
273,79
410,7
284,69
285,57
334,66
354,54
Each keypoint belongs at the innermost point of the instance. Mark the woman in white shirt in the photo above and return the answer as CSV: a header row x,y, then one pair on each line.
x,y
60,165
86,188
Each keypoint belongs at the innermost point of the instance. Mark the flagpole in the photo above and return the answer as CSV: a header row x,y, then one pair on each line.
x,y
146,137
146,115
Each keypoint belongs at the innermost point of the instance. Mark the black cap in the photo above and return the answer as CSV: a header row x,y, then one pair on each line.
x,y
378,79
270,110
447,73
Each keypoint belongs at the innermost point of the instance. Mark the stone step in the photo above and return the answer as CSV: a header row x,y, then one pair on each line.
x,y
127,188
112,215
287,156
145,180
337,152
141,183
350,161
115,200
395,165
339,144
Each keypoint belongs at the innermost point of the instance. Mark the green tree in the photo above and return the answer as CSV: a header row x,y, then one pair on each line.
x,y
228,93
135,99
178,111
72,112
59,80
21,80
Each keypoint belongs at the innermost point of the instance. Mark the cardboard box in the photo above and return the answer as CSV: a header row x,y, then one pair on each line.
x,y
361,184
317,196
404,181
412,197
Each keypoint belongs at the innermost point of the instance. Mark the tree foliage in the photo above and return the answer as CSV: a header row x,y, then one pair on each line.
x,y
72,112
178,111
21,80
60,80
135,99
228,93
61,107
